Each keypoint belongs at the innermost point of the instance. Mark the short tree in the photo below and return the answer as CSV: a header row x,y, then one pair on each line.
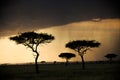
x,y
67,56
110,56
32,41
81,46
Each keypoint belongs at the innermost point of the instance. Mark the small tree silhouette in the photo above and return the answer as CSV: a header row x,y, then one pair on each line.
x,y
32,41
67,56
110,56
81,46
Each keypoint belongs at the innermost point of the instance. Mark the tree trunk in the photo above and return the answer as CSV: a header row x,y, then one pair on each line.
x,y
110,60
83,63
66,62
36,64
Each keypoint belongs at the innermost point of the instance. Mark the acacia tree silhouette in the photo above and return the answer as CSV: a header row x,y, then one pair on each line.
x,y
81,46
32,41
110,56
67,56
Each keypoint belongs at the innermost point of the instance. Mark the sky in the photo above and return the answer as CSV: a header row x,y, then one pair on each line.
x,y
66,20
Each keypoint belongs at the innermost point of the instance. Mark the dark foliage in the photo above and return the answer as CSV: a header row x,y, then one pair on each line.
x,y
110,56
32,40
67,56
81,46
78,44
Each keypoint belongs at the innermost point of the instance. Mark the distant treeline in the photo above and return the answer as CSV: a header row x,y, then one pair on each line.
x,y
55,62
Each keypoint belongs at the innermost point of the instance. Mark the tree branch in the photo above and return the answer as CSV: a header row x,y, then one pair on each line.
x,y
26,44
83,50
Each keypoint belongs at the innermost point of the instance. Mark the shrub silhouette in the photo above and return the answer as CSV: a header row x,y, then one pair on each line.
x,y
67,56
81,46
32,40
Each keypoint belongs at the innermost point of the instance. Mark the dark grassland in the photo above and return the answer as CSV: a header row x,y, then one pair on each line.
x,y
93,71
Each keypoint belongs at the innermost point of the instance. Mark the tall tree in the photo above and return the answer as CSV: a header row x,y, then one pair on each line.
x,y
81,46
32,41
110,56
67,56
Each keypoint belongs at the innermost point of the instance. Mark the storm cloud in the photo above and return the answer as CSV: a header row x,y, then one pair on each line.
x,y
25,15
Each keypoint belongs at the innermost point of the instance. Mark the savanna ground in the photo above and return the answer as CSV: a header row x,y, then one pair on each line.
x,y
93,71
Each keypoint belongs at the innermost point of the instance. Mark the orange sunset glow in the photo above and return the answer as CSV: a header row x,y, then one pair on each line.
x,y
106,31
65,20
59,40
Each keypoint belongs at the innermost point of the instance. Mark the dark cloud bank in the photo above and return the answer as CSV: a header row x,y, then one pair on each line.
x,y
21,15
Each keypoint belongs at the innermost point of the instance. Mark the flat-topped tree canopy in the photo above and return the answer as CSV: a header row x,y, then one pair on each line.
x,y
67,55
32,38
111,55
80,44
32,41
81,47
